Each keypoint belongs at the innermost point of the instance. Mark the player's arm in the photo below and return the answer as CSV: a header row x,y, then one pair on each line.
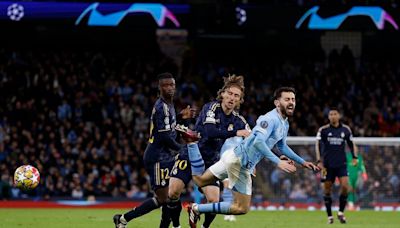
x,y
318,146
286,150
186,115
362,168
164,130
352,146
262,132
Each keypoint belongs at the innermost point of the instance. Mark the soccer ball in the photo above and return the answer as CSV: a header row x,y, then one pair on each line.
x,y
15,12
26,177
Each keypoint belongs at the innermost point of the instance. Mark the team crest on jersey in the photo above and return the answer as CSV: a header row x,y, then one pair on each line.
x,y
342,134
264,124
330,134
210,117
230,127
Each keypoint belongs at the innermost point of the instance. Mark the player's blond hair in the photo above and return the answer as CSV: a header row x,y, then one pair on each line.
x,y
232,81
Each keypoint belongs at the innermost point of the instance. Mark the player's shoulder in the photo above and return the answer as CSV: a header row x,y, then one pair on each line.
x,y
323,127
240,117
347,127
212,106
161,106
267,119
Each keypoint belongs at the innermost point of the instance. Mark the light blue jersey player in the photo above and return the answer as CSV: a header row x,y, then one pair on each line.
x,y
237,164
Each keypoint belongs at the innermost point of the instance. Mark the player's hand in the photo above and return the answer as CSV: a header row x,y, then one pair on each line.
x,y
354,162
286,166
320,165
364,176
188,112
243,133
310,165
283,157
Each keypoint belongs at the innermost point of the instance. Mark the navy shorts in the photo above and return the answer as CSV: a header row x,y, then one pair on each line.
x,y
159,173
332,173
182,171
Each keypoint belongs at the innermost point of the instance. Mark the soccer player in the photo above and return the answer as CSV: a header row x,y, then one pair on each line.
x,y
354,173
237,164
159,155
331,141
217,121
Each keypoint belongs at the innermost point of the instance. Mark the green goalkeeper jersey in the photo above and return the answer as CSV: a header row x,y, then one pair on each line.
x,y
354,170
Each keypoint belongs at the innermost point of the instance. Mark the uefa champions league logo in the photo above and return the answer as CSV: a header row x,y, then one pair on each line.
x,y
15,12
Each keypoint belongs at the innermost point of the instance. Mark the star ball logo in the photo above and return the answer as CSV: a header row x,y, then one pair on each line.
x,y
15,12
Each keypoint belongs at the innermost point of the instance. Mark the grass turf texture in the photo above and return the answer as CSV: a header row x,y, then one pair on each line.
x,y
103,218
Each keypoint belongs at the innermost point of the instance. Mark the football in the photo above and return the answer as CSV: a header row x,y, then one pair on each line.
x,y
26,177
187,134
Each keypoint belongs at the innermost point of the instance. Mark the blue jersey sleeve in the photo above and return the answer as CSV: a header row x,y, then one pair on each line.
x,y
263,131
286,150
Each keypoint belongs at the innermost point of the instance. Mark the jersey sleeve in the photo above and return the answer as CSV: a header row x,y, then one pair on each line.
x,y
263,131
286,150
162,118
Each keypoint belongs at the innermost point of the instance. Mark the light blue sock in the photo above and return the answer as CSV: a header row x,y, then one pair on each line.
x,y
216,208
227,195
196,161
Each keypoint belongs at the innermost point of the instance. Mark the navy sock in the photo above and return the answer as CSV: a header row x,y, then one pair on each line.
x,y
175,207
208,218
165,216
342,202
144,208
328,205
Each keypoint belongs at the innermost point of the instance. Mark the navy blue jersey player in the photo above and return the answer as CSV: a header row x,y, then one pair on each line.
x,y
331,143
217,121
160,153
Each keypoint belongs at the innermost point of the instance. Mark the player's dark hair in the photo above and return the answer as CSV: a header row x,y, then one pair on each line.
x,y
278,92
165,75
232,81
334,109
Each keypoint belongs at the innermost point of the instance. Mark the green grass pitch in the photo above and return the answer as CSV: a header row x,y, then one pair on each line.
x,y
70,218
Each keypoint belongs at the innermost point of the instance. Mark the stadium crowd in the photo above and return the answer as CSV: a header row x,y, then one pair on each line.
x,y
82,117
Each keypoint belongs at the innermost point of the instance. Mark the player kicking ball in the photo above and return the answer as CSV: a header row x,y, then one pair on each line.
x,y
237,164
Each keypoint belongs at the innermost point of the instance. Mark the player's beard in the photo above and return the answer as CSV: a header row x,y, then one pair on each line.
x,y
286,112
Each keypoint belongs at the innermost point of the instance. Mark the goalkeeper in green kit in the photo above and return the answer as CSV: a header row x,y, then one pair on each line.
x,y
354,171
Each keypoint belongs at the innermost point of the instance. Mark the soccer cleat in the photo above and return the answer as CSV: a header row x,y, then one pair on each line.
x,y
342,218
330,220
230,218
193,216
118,223
188,135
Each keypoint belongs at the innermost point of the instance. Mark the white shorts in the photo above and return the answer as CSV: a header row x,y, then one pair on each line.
x,y
229,166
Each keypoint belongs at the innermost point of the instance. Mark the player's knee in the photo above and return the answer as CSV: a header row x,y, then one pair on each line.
x,y
213,199
199,181
239,209
174,194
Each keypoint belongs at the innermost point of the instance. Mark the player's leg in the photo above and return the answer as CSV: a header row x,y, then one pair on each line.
x,y
212,193
180,177
196,160
174,205
328,199
352,192
227,196
159,185
327,183
239,181
344,187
